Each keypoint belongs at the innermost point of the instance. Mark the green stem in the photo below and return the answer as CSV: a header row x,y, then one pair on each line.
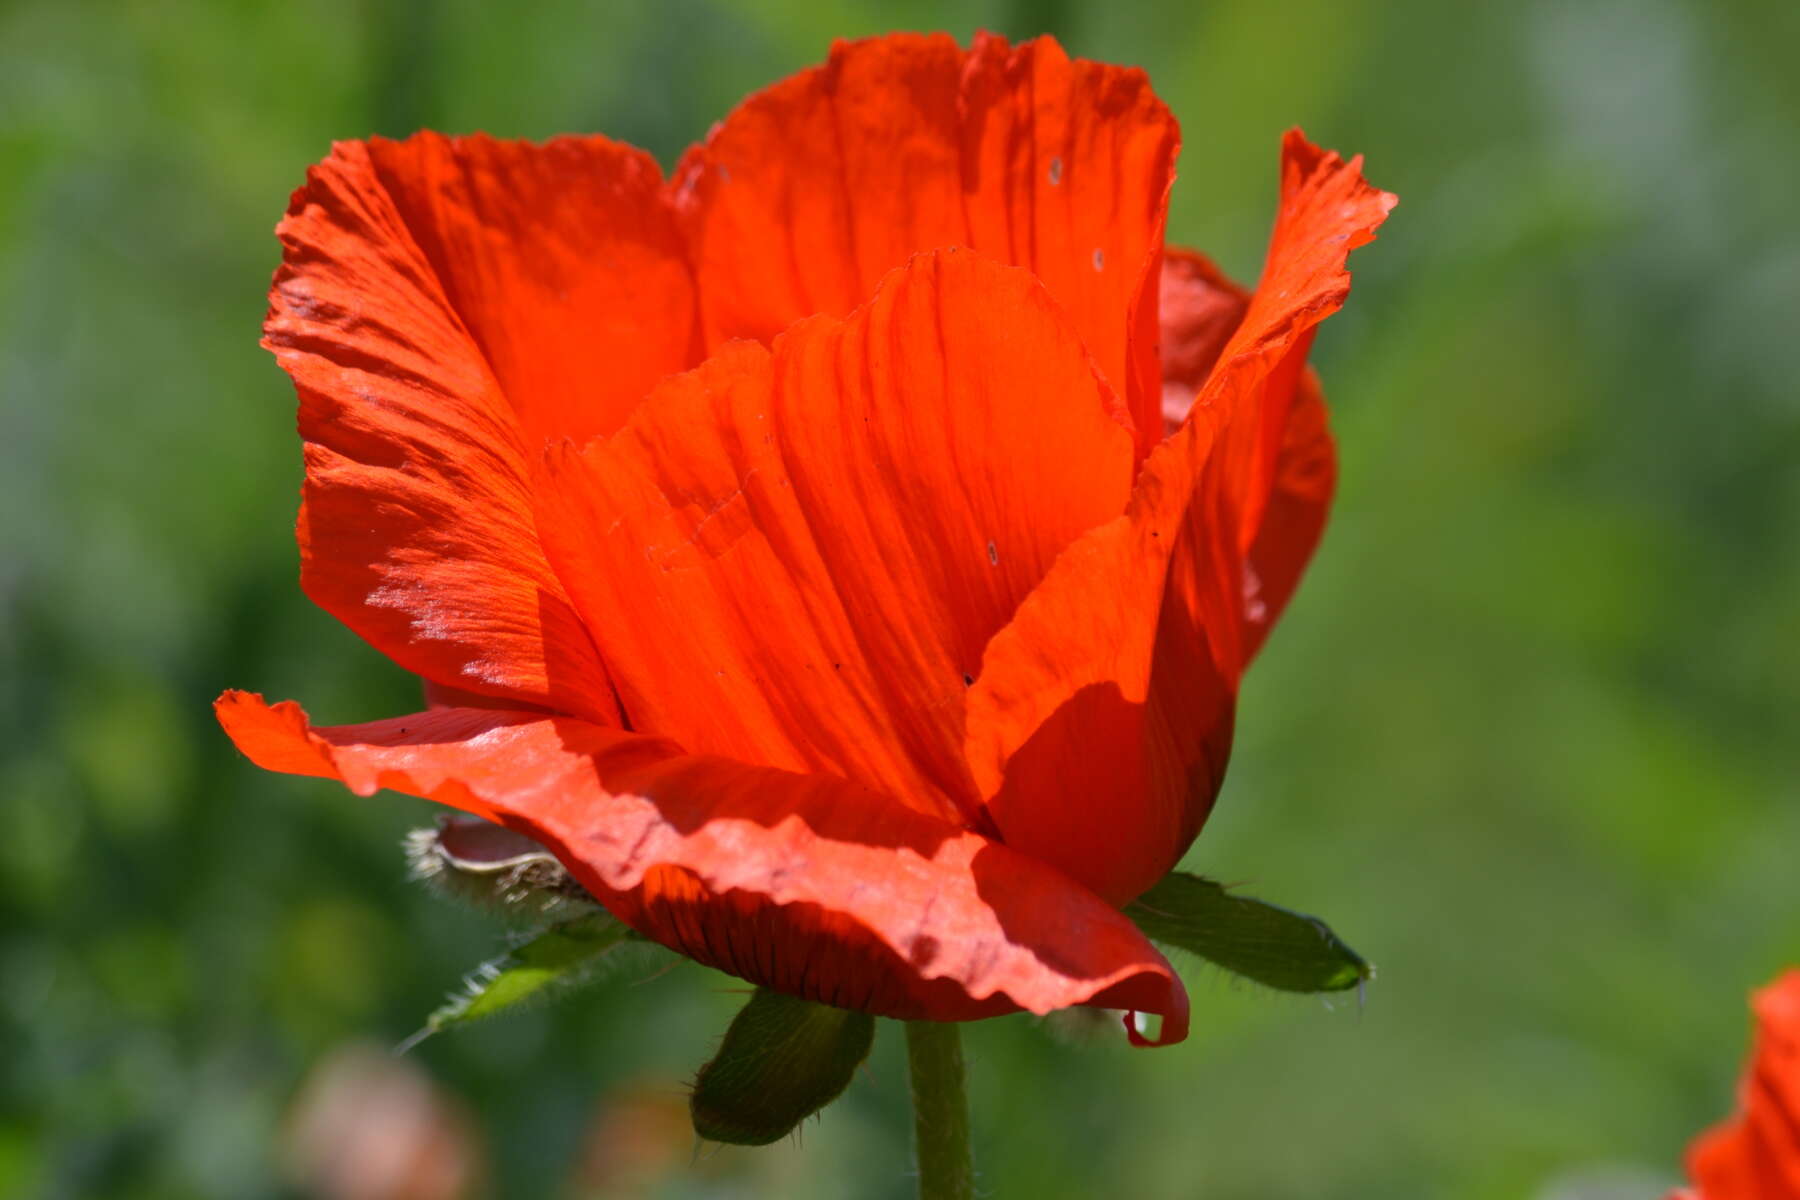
x,y
940,1111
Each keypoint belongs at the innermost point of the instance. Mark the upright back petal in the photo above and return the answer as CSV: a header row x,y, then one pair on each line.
x,y
439,306
563,262
797,558
810,191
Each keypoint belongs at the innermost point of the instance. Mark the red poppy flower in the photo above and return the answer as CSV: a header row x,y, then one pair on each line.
x,y
1756,1154
843,555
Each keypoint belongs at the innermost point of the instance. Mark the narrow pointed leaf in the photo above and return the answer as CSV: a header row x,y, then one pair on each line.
x,y
783,1059
562,955
1271,945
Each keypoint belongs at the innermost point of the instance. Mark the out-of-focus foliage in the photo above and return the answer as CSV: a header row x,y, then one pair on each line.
x,y
1527,735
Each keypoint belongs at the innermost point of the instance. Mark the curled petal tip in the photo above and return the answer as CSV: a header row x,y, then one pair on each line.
x,y
1174,1029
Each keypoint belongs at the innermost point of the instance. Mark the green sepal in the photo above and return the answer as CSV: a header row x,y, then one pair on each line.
x,y
783,1059
560,956
1274,946
477,862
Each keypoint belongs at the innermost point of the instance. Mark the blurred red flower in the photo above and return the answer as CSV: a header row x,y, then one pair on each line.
x,y
1756,1154
843,555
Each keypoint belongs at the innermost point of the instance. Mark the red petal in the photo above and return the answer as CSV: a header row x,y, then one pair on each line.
x,y
797,559
1099,728
1293,517
810,191
1757,1154
441,303
1327,210
563,262
808,884
1201,309
439,696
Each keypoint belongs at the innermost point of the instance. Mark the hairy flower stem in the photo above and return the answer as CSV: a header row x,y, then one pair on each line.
x,y
940,1111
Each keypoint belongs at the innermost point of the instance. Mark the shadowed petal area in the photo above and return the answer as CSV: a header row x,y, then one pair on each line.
x,y
1756,1155
442,304
810,191
808,884
797,557
1293,516
1201,309
1128,654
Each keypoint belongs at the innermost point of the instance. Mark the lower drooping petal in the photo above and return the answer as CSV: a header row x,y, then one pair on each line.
x,y
1129,653
812,190
796,558
808,884
441,305
1201,310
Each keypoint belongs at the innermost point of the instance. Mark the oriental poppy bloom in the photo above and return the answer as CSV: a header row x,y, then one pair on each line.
x,y
1756,1154
842,555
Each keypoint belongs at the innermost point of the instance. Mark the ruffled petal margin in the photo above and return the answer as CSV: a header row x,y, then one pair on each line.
x,y
442,305
562,259
1274,443
1101,721
805,883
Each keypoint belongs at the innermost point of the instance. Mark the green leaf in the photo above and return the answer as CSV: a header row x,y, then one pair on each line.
x,y
782,1060
562,955
1274,946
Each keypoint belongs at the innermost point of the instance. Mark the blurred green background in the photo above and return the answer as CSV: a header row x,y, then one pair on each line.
x,y
1527,737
